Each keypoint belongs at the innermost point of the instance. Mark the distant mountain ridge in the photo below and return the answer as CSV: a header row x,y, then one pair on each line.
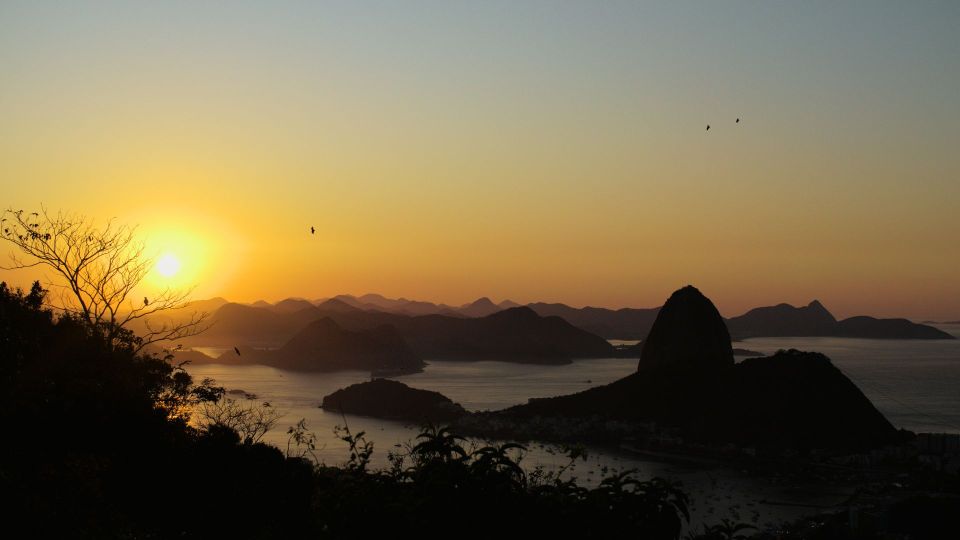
x,y
813,320
784,320
516,334
624,323
781,320
323,345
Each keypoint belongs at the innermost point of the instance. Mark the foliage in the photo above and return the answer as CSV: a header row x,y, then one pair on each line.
x,y
360,448
438,485
304,441
725,530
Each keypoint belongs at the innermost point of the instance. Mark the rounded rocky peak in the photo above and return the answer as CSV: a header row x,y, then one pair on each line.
x,y
688,334
519,313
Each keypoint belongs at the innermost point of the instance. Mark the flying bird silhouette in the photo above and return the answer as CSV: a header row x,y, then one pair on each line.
x,y
312,230
738,120
236,350
708,127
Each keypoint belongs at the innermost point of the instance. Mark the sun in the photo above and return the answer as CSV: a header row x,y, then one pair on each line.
x,y
168,265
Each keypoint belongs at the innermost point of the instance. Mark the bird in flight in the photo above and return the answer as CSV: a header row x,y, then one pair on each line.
x,y
738,120
312,230
236,350
708,127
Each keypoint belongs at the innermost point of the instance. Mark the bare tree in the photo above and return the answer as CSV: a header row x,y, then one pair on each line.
x,y
250,420
98,269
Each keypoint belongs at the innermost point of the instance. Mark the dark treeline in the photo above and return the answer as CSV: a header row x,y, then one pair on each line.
x,y
99,445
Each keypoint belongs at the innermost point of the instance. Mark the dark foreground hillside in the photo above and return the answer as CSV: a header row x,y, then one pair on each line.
x,y
99,445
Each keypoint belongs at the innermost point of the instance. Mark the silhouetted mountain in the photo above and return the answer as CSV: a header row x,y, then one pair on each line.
x,y
626,323
508,304
400,305
262,304
784,320
869,327
518,334
324,346
337,305
172,317
383,398
688,334
209,305
291,305
789,400
369,301
479,308
237,324
373,299
191,356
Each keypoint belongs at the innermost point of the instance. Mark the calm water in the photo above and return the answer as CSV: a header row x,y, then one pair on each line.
x,y
916,384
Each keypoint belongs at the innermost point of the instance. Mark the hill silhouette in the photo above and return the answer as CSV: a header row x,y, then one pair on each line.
x,y
813,320
402,306
247,325
324,346
790,400
781,320
626,323
479,308
516,334
688,335
291,305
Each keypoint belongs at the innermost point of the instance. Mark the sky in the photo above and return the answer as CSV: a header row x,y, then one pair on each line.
x,y
536,151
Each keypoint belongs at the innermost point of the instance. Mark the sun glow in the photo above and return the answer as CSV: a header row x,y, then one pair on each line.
x,y
168,265
192,251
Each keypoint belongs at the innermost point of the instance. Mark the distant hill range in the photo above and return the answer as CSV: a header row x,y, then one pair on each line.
x,y
538,332
478,308
813,320
516,334
782,320
625,323
323,345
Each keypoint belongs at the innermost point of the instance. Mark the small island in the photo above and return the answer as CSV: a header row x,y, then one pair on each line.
x,y
384,398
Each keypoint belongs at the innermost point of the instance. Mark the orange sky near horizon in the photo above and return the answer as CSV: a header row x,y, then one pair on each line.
x,y
541,152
